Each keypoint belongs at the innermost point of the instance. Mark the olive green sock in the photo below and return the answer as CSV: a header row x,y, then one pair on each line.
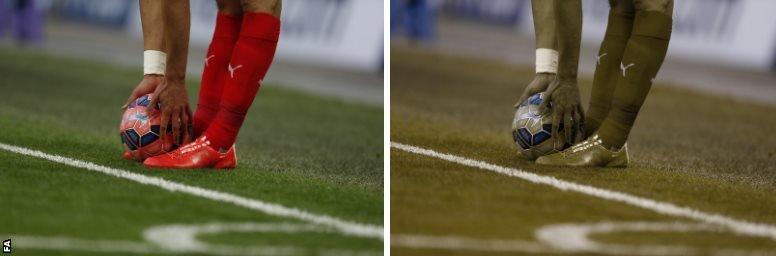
x,y
607,70
640,63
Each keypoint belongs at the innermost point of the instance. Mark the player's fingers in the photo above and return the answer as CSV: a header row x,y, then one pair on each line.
x,y
543,106
556,118
525,95
581,121
568,126
132,96
517,104
190,125
156,97
553,86
547,97
163,124
176,124
577,126
154,102
126,104
519,101
188,110
185,125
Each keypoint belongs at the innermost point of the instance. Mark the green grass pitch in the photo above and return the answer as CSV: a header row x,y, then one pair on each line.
x,y
319,155
710,153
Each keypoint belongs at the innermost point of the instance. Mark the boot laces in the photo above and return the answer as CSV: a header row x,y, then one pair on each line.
x,y
191,147
585,145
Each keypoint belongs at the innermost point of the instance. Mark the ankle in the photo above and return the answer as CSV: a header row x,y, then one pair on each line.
x,y
614,147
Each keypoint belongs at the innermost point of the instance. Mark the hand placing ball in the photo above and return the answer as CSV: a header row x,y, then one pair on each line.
x,y
140,130
532,129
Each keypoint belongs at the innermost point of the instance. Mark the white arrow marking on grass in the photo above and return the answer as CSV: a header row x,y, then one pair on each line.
x,y
737,226
346,227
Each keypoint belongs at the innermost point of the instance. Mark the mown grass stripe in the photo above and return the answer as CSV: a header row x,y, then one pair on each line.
x,y
346,227
737,226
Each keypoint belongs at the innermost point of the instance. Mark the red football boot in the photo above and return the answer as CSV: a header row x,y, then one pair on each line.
x,y
195,155
229,162
126,155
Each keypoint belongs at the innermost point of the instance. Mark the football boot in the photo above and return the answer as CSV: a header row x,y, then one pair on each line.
x,y
195,155
588,153
127,156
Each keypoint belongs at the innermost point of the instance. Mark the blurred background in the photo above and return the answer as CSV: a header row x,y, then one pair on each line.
x,y
725,47
335,44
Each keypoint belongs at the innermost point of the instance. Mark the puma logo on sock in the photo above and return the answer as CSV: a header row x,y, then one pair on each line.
x,y
598,59
208,59
624,68
232,69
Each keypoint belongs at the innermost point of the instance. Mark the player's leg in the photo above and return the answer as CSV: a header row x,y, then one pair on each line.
x,y
641,60
640,63
252,56
618,31
227,30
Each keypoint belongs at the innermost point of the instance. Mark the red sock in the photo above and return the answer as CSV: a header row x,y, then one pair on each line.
x,y
217,58
251,58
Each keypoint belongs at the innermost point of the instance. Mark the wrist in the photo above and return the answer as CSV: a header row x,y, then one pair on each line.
x,y
154,79
566,74
545,77
154,62
567,79
546,74
175,80
546,61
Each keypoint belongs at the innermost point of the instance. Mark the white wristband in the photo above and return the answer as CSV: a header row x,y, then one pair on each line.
x,y
546,61
154,62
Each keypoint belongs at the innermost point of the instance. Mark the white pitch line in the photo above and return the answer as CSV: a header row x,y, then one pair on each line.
x,y
75,244
575,237
346,227
61,243
737,226
458,243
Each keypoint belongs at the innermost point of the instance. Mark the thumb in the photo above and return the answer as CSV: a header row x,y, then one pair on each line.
x,y
521,99
529,90
548,97
155,97
131,98
154,101
545,102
